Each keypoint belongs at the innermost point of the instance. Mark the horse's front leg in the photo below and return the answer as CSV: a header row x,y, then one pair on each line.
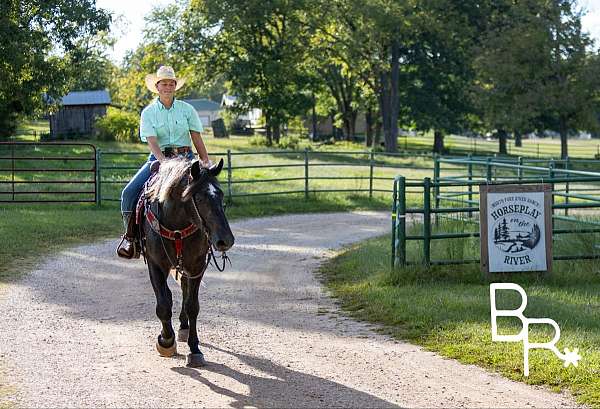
x,y
192,306
165,345
184,325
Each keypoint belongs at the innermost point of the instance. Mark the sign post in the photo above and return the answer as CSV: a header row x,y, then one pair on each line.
x,y
516,228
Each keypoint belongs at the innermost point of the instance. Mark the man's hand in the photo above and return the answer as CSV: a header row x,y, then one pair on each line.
x,y
206,163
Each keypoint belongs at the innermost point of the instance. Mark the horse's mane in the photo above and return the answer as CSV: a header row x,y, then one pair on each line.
x,y
170,174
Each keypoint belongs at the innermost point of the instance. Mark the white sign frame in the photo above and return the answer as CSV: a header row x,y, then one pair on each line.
x,y
525,201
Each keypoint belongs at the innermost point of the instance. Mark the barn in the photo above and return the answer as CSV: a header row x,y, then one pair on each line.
x,y
207,110
77,113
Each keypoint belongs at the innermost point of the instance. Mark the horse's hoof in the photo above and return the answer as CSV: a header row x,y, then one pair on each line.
x,y
195,360
183,334
166,352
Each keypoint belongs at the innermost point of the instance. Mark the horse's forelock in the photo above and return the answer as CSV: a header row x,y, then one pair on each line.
x,y
196,185
170,174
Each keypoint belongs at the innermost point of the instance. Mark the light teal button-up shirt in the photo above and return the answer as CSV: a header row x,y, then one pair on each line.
x,y
171,126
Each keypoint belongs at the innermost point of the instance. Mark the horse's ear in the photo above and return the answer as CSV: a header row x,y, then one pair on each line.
x,y
195,171
216,169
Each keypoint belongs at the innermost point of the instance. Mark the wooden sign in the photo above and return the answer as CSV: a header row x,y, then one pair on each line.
x,y
515,228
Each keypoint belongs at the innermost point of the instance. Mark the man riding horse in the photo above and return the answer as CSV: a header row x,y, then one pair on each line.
x,y
169,126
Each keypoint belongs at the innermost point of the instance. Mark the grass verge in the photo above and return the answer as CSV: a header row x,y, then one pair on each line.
x,y
447,310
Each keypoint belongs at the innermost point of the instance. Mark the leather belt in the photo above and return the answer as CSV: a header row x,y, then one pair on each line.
x,y
170,151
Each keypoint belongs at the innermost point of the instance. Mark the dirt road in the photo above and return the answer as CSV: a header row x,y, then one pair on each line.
x,y
80,331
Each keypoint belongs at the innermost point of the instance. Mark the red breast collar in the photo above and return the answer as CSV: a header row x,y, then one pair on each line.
x,y
166,233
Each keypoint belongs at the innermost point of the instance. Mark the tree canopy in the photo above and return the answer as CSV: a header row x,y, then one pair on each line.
x,y
33,35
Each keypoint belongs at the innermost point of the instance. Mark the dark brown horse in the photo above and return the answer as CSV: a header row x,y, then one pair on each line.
x,y
184,217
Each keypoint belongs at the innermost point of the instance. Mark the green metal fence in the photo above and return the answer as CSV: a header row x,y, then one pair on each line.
x,y
301,173
450,202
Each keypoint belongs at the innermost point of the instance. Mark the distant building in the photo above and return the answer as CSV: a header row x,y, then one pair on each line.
x,y
78,112
207,110
246,119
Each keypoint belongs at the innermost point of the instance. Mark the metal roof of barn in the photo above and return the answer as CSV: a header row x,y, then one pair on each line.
x,y
203,104
99,97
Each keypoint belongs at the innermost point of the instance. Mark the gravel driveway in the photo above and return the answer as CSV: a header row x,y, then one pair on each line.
x,y
80,332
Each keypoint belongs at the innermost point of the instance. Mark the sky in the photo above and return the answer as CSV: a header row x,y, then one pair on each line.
x,y
135,10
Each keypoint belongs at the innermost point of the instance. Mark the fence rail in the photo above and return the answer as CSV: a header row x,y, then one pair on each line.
x,y
306,175
33,172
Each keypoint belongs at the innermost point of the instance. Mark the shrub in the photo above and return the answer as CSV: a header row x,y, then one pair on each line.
x,y
289,142
257,140
118,125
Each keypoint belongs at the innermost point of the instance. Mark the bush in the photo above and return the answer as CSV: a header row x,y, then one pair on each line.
x,y
118,125
289,142
257,140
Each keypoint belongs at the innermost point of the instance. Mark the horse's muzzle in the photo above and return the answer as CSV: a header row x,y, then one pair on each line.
x,y
223,242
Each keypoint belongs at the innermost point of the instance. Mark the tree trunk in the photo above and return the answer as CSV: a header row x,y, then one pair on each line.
x,y
276,133
518,139
438,142
564,150
347,131
384,105
369,121
392,144
352,128
388,99
314,118
268,129
377,136
502,142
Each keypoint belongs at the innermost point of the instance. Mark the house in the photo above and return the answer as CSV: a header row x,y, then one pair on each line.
x,y
250,118
78,112
207,110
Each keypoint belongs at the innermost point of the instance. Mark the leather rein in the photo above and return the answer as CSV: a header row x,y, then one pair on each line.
x,y
178,236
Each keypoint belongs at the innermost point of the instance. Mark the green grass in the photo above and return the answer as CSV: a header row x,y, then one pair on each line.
x,y
542,148
447,310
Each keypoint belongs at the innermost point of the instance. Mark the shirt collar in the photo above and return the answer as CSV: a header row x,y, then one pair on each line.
x,y
161,106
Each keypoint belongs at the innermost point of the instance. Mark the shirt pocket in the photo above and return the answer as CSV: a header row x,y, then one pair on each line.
x,y
162,128
181,124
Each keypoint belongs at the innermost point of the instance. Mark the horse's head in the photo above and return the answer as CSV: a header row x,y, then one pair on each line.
x,y
205,204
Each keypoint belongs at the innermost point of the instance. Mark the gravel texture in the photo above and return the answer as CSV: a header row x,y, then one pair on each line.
x,y
80,332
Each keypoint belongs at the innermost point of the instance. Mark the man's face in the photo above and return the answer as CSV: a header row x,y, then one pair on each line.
x,y
166,87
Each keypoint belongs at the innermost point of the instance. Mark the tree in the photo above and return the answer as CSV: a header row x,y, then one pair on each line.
x,y
371,37
89,67
534,70
31,31
571,85
259,48
438,78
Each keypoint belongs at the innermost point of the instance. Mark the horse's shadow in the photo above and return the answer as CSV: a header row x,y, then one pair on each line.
x,y
283,388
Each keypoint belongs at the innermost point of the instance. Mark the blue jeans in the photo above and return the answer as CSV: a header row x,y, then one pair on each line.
x,y
131,193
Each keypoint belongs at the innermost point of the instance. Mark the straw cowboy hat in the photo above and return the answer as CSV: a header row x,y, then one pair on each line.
x,y
164,73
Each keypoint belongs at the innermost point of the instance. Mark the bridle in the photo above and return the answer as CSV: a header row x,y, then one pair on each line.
x,y
211,255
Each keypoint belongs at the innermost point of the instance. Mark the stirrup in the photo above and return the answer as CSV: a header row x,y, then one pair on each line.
x,y
128,253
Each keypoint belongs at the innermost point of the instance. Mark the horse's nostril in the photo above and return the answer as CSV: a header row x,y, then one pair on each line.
x,y
221,244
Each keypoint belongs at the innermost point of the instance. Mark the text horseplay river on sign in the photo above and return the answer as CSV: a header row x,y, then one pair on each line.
x,y
516,227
